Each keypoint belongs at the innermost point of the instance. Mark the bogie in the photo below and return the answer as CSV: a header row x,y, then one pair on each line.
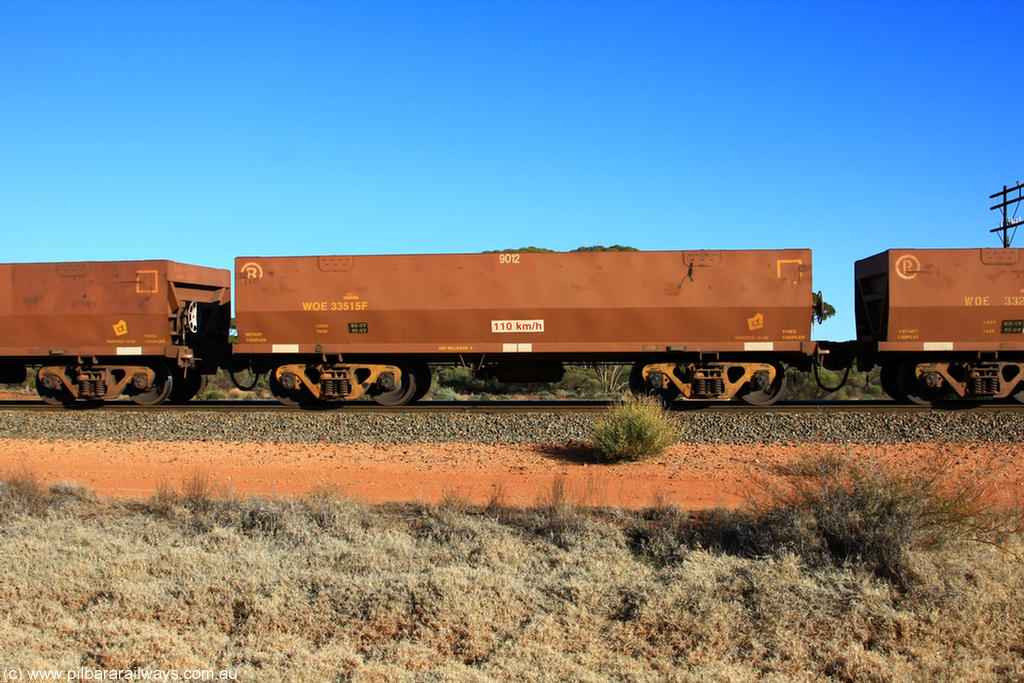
x,y
756,383
323,383
147,385
927,380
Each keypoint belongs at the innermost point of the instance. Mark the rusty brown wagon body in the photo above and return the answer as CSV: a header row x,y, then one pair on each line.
x,y
943,321
101,329
703,324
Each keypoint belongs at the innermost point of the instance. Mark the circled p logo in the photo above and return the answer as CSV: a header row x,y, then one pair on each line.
x,y
251,271
908,266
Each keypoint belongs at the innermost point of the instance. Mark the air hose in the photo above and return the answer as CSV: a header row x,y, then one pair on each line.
x,y
846,376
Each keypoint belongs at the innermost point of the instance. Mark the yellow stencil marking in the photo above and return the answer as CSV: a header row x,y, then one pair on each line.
x,y
789,261
146,282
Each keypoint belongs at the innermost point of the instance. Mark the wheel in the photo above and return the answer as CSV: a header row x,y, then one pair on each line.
x,y
284,396
402,394
310,402
1017,394
423,380
637,384
667,396
56,396
186,386
889,375
770,394
159,391
913,388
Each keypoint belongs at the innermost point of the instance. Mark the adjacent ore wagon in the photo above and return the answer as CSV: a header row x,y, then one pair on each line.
x,y
704,325
943,322
98,330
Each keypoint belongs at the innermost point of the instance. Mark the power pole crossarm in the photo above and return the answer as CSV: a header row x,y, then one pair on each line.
x,y
1008,223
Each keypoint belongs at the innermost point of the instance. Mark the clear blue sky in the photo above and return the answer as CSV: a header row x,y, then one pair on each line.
x,y
198,131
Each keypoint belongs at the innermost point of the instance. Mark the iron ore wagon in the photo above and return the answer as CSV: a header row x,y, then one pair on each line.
x,y
697,325
943,322
99,330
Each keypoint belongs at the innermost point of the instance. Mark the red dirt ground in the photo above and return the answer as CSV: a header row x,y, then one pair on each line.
x,y
690,476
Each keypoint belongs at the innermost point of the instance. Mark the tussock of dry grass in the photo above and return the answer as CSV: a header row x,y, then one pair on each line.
x,y
327,589
831,509
876,516
639,427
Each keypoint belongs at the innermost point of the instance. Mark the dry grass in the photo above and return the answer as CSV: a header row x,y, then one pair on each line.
x,y
24,490
327,589
830,509
878,515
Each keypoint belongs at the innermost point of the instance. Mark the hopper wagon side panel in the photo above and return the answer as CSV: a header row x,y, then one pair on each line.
x,y
953,300
120,308
559,303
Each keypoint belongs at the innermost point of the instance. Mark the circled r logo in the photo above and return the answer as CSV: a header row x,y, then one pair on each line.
x,y
907,266
251,271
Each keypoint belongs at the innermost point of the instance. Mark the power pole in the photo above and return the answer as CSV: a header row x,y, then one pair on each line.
x,y
1008,223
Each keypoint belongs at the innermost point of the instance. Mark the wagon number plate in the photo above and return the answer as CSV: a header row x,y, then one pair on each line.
x,y
1013,327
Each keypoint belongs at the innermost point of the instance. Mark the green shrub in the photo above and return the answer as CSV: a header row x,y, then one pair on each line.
x,y
212,394
444,393
635,429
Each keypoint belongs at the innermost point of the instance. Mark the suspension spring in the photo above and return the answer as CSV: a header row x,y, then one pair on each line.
x,y
335,387
984,386
92,387
708,386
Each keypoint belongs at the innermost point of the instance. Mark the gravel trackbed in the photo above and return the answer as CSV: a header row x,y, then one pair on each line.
x,y
516,459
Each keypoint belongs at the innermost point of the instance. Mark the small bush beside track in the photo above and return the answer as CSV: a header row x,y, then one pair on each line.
x,y
637,428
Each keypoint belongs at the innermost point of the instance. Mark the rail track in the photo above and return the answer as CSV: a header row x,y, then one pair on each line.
x,y
508,422
514,406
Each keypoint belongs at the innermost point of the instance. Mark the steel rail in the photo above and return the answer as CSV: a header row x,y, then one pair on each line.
x,y
520,406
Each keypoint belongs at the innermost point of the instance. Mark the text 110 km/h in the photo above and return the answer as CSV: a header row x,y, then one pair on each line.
x,y
508,326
